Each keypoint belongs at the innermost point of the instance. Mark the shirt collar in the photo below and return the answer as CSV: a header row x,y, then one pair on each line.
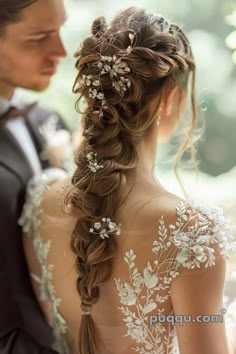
x,y
4,105
13,102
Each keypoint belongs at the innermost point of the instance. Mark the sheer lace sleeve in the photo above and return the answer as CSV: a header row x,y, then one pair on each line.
x,y
198,230
197,239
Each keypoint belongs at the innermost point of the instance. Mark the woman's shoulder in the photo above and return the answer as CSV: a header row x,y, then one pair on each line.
x,y
55,214
144,211
42,197
54,195
192,234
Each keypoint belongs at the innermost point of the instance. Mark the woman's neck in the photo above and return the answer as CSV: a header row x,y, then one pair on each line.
x,y
144,176
147,151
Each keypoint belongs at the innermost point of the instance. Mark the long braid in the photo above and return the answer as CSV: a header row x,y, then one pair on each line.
x,y
94,255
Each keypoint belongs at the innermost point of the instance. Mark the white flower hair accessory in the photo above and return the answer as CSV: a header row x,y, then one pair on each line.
x,y
114,66
93,164
105,228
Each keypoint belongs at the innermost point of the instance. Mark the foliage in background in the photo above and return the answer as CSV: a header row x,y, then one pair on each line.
x,y
231,38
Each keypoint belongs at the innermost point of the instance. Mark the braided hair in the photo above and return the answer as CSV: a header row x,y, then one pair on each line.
x,y
155,52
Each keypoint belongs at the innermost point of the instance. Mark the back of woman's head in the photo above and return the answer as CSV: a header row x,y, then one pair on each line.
x,y
122,67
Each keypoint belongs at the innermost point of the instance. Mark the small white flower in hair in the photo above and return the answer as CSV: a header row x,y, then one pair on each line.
x,y
97,225
100,96
96,83
106,228
93,93
93,164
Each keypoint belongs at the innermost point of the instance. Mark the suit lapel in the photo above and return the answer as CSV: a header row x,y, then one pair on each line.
x,y
35,118
12,156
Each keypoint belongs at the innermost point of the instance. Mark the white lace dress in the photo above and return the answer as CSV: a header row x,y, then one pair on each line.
x,y
182,245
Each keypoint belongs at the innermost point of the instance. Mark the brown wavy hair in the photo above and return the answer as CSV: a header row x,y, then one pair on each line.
x,y
157,57
10,11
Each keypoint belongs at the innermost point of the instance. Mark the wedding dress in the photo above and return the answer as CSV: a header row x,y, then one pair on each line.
x,y
138,294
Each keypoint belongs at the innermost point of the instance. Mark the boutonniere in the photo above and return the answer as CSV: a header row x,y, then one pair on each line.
x,y
58,150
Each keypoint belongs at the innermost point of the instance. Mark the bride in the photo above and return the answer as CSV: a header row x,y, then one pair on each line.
x,y
119,264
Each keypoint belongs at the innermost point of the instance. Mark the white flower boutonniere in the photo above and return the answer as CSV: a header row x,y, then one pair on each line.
x,y
58,148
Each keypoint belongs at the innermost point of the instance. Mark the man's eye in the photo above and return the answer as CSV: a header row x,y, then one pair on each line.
x,y
38,40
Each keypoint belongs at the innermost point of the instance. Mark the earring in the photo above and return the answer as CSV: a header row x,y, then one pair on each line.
x,y
158,120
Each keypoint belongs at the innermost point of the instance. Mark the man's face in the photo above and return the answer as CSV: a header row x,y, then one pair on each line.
x,y
30,49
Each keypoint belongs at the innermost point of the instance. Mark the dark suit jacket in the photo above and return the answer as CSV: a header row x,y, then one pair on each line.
x,y
23,329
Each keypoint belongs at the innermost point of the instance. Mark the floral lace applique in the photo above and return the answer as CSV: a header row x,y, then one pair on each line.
x,y
190,246
30,222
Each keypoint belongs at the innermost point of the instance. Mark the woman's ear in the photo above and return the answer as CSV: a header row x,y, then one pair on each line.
x,y
168,98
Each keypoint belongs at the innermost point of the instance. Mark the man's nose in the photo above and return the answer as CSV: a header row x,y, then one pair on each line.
x,y
57,49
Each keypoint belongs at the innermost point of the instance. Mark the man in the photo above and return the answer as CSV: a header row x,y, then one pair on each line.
x,y
30,48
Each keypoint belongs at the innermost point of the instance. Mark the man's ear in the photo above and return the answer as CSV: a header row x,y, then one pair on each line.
x,y
167,100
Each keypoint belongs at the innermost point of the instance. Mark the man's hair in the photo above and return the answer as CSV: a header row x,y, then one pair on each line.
x,y
10,11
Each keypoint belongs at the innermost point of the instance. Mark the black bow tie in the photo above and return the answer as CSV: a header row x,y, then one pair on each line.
x,y
14,112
